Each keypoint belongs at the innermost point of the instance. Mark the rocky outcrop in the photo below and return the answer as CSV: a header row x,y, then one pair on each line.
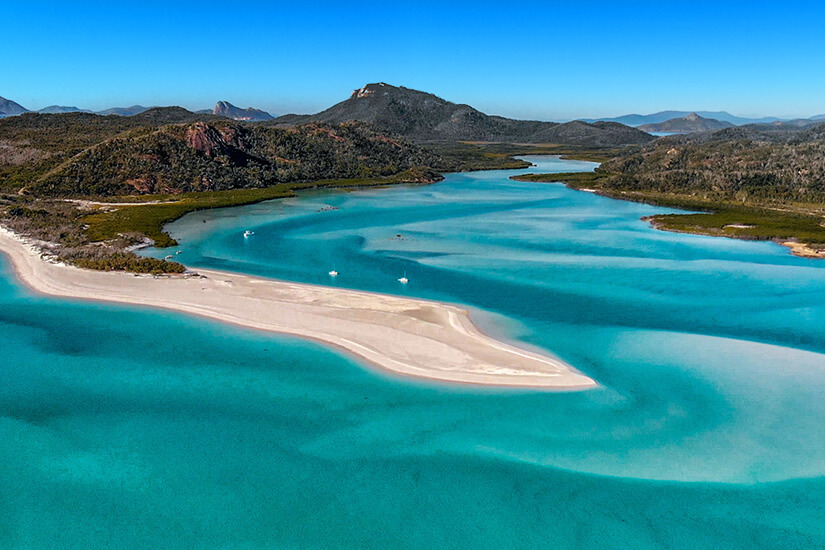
x,y
206,139
226,109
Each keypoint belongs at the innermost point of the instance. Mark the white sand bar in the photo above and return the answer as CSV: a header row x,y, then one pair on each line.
x,y
403,335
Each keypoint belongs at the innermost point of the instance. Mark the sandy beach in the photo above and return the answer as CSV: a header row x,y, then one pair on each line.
x,y
406,336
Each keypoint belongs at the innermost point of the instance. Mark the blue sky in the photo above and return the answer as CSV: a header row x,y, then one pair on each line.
x,y
545,60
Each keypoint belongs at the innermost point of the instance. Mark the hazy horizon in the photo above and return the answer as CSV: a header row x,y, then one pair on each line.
x,y
454,100
546,61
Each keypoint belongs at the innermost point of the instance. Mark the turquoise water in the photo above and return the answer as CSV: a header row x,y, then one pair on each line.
x,y
142,429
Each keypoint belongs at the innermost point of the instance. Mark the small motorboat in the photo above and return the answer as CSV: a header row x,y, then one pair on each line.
x,y
248,233
333,273
403,280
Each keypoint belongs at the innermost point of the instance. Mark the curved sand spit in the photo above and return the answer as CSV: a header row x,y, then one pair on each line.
x,y
403,335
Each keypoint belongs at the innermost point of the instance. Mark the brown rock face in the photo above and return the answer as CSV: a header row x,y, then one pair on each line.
x,y
144,184
235,137
206,139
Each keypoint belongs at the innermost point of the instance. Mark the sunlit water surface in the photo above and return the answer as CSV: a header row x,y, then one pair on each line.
x,y
136,428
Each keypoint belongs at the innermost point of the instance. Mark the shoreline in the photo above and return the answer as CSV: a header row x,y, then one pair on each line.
x,y
795,247
405,336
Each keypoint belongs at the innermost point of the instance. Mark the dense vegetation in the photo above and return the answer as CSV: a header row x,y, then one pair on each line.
x,y
32,144
60,226
227,155
743,171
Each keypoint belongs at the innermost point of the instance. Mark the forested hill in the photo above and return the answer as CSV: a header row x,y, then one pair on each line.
x,y
422,116
34,143
39,135
223,155
171,150
755,163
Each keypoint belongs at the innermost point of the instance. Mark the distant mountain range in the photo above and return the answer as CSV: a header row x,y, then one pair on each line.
x,y
226,109
724,116
425,117
663,116
687,124
421,116
222,108
9,107
54,109
124,111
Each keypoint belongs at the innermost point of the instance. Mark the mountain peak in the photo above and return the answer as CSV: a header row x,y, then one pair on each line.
x,y
9,107
56,109
124,111
371,89
226,109
687,124
422,116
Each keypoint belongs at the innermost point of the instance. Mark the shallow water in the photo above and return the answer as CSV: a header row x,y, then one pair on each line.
x,y
138,428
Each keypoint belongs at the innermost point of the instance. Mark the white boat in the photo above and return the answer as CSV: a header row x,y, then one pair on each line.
x,y
333,273
403,280
248,233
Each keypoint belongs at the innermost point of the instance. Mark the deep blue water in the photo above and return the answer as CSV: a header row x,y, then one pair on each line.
x,y
143,429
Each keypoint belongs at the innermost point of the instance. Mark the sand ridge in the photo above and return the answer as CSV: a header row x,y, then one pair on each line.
x,y
407,336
